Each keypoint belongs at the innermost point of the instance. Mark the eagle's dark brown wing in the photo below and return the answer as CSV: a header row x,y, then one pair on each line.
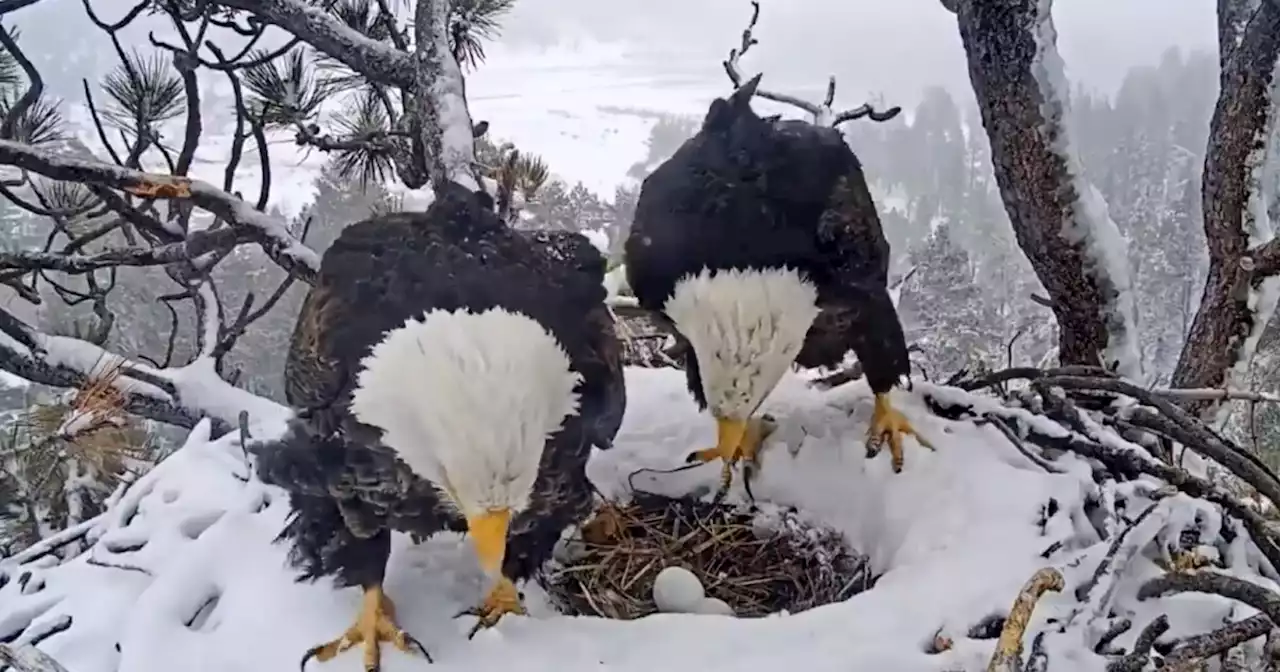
x,y
316,383
857,311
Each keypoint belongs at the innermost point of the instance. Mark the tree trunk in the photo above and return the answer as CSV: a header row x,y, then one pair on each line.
x,y
1022,113
1238,137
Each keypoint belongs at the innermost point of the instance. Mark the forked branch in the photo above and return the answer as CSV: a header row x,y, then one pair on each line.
x,y
821,114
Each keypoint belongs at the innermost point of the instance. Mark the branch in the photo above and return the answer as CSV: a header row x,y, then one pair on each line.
x,y
1008,653
1223,333
1265,260
273,235
376,61
176,396
1214,583
439,106
196,245
1210,644
822,115
1012,62
27,658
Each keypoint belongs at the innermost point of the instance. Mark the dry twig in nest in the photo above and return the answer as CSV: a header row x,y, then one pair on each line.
x,y
755,565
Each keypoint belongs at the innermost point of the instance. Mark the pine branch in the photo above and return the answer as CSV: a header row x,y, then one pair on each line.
x,y
275,238
377,61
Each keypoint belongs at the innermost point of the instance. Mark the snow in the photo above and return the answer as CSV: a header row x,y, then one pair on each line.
x,y
1104,245
1263,163
183,567
197,384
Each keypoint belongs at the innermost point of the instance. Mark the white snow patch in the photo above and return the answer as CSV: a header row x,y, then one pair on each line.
x,y
1092,225
184,572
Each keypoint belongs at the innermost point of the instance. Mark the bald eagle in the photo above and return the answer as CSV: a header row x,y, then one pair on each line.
x,y
757,243
449,373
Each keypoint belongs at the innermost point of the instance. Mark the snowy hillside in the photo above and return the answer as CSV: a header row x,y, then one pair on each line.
x,y
183,574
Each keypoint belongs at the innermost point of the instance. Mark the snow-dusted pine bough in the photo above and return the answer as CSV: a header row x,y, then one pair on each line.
x,y
1166,486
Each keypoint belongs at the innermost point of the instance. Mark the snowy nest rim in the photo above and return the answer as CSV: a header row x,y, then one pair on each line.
x,y
758,563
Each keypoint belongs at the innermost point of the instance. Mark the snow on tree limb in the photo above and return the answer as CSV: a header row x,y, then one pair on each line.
x,y
819,115
441,101
1238,300
178,396
378,61
275,238
1058,217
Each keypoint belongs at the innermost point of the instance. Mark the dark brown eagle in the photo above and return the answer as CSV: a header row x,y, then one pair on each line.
x,y
758,244
450,373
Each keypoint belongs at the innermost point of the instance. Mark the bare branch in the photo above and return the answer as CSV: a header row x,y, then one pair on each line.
x,y
195,245
275,239
821,114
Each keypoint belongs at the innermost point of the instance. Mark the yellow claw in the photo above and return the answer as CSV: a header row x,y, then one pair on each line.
x,y
736,440
502,599
374,625
489,533
889,424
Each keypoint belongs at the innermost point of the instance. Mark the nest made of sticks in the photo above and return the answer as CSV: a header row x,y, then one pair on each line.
x,y
757,563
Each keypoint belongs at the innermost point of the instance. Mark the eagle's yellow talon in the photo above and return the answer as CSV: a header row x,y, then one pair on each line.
x,y
502,599
738,441
374,625
889,424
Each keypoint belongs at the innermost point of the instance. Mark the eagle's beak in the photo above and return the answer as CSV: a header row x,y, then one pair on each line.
x,y
489,533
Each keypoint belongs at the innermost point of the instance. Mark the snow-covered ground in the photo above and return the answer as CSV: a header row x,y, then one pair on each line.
x,y
193,581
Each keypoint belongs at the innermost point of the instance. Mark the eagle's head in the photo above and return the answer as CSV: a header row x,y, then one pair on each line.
x,y
468,400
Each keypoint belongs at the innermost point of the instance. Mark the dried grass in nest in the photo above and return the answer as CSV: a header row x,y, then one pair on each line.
x,y
757,565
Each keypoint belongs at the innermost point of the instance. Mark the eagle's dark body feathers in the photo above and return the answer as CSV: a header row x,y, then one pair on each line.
x,y
752,193
348,490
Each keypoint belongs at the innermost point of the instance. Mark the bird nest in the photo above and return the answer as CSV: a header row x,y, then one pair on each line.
x,y
757,563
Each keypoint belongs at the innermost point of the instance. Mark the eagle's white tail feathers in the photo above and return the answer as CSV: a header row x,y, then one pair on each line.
x,y
469,400
746,329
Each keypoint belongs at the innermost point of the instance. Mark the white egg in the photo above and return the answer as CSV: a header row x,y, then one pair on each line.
x,y
677,590
714,606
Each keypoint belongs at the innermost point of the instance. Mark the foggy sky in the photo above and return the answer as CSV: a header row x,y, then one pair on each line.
x,y
892,46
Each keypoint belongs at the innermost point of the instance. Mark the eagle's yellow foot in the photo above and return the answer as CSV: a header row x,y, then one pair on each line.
x,y
502,599
889,424
375,624
736,440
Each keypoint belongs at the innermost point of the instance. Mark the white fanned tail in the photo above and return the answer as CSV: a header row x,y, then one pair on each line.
x,y
746,328
469,400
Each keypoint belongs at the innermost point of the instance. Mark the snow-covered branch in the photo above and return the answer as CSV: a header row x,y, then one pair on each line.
x,y
1191,516
823,114
178,396
1059,218
440,100
1226,329
272,234
378,61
